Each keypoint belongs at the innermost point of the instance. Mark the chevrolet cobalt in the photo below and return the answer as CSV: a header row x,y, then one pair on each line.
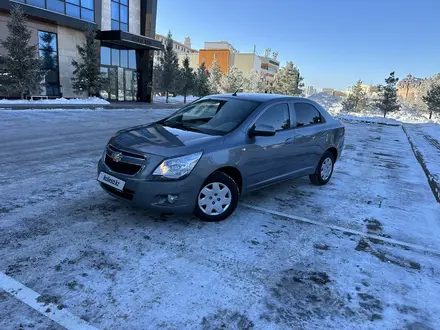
x,y
204,156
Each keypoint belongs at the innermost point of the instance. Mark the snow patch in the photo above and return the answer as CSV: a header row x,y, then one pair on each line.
x,y
175,99
62,100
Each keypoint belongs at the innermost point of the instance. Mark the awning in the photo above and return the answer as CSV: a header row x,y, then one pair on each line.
x,y
129,40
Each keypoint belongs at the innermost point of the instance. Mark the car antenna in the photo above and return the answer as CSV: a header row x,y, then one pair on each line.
x,y
235,93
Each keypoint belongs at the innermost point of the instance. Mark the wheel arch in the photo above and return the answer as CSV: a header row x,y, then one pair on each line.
x,y
234,173
334,152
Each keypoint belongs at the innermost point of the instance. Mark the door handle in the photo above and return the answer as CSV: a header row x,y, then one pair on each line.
x,y
288,141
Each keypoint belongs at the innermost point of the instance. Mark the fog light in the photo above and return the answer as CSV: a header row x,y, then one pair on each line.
x,y
172,198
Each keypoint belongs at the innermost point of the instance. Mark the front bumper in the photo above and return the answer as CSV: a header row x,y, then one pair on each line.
x,y
151,194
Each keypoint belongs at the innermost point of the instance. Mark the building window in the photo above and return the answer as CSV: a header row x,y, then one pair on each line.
x,y
124,58
83,9
120,15
105,56
47,47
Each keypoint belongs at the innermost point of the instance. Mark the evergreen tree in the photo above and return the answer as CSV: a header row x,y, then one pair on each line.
x,y
233,81
388,95
257,82
432,100
87,75
24,72
170,67
357,100
186,79
201,83
215,77
300,88
158,79
288,80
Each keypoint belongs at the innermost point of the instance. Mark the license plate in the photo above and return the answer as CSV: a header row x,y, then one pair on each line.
x,y
111,181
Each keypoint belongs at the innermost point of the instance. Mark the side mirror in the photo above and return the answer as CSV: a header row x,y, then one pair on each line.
x,y
262,130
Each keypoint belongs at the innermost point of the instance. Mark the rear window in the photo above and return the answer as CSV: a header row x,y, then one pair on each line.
x,y
212,116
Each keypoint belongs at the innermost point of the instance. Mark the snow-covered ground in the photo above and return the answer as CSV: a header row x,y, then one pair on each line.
x,y
422,132
121,268
89,100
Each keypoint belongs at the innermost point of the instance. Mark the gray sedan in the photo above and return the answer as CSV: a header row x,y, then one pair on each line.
x,y
204,156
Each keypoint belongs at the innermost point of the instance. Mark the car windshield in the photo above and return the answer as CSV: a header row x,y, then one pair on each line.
x,y
211,116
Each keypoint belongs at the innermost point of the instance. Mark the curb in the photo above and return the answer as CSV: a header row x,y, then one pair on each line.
x,y
435,186
352,120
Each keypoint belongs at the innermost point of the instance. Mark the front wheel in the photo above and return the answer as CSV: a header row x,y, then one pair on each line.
x,y
324,170
217,198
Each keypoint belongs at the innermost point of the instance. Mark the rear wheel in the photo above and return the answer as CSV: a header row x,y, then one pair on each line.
x,y
217,198
324,170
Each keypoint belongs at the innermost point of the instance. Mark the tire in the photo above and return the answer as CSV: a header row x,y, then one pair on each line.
x,y
212,207
321,175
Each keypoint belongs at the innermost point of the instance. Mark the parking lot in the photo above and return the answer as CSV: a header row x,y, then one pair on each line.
x,y
361,252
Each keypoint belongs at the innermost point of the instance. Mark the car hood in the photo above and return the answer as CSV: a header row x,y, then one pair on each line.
x,y
163,140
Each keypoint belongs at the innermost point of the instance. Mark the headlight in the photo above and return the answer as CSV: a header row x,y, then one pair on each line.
x,y
104,153
175,168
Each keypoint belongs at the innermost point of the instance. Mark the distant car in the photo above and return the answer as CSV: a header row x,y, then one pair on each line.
x,y
204,156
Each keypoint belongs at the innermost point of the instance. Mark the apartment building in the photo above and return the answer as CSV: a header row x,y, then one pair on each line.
x,y
334,92
126,31
310,90
181,48
227,56
369,90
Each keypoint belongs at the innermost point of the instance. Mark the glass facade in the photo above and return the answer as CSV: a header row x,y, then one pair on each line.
x,y
83,9
120,15
47,47
119,66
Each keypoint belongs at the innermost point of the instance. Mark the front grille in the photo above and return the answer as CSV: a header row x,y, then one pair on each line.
x,y
126,153
127,194
122,167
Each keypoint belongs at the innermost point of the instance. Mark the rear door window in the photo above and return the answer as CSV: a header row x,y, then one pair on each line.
x,y
306,115
276,116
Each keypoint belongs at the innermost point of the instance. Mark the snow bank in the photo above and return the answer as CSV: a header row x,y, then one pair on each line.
x,y
366,119
372,114
62,100
330,102
175,99
425,141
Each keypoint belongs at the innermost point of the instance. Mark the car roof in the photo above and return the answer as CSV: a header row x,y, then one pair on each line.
x,y
259,97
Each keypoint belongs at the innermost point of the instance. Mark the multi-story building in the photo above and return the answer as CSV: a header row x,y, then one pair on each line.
x,y
328,90
333,92
179,47
310,90
227,56
126,30
369,90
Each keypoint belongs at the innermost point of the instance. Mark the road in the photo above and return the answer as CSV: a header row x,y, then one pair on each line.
x,y
361,252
